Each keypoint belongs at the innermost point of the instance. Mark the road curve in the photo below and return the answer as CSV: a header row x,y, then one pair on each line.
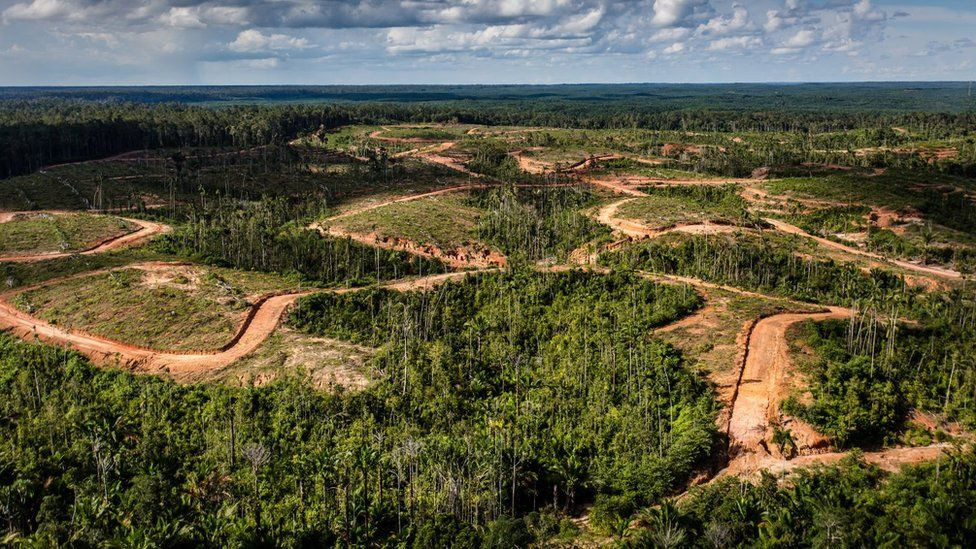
x,y
756,399
261,322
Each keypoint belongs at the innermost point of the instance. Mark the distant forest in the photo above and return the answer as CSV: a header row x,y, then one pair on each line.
x,y
41,126
818,97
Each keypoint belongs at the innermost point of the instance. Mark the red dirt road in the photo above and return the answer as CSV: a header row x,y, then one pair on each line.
x,y
756,401
264,319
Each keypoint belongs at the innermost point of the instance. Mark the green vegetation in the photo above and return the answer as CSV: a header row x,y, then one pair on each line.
x,y
176,308
831,220
942,199
59,233
431,133
445,221
473,373
494,410
766,263
868,372
626,166
669,206
849,505
264,236
531,224
491,158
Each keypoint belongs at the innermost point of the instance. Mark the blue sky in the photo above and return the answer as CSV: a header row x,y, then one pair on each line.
x,y
106,42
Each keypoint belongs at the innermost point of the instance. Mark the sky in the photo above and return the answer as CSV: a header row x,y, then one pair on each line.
x,y
184,42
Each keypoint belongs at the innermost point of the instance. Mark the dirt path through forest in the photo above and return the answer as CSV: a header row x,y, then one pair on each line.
x,y
761,388
260,323
787,228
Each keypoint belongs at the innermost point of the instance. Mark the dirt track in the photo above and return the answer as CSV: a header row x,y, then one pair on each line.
x,y
757,394
760,389
263,321
785,227
146,230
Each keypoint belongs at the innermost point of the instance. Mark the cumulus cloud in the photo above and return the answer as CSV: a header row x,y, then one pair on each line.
x,y
39,9
676,13
183,17
737,22
269,32
253,40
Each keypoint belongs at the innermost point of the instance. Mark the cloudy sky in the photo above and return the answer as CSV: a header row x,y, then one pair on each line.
x,y
102,42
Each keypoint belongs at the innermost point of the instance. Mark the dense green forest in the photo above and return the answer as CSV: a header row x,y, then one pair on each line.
x,y
536,404
850,505
443,451
267,235
40,127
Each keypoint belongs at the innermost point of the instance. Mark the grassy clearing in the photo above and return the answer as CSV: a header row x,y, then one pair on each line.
x,y
895,189
445,133
669,206
42,232
627,166
446,221
178,307
327,363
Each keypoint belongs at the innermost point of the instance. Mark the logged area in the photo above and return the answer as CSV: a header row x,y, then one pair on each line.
x,y
487,323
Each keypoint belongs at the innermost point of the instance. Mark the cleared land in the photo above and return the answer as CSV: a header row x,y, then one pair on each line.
x,y
45,232
156,306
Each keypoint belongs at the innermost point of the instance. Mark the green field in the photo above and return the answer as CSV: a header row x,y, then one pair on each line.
x,y
674,205
446,221
178,308
43,232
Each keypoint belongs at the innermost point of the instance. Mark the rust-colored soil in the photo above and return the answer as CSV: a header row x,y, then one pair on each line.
x,y
761,385
261,321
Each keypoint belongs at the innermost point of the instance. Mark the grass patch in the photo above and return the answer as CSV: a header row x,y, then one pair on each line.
x,y
179,308
672,205
627,166
43,232
447,221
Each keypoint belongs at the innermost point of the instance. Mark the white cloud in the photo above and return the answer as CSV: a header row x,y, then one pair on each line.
x,y
801,39
722,25
253,40
672,13
39,9
677,47
186,18
735,43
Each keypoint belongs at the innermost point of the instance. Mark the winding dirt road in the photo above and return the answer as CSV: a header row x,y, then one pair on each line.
x,y
942,272
259,323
